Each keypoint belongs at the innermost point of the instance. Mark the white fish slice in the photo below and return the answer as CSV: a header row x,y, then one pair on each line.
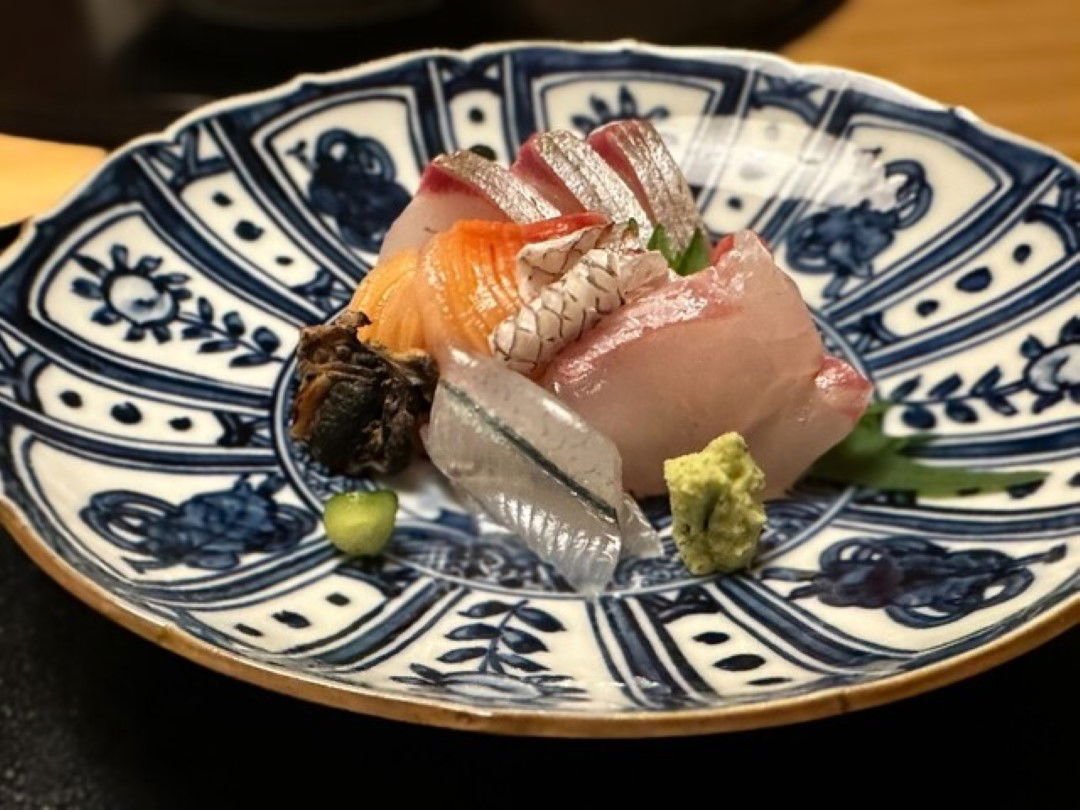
x,y
635,150
597,285
463,185
732,347
573,177
535,467
541,263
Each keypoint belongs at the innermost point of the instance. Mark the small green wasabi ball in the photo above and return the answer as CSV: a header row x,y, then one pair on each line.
x,y
716,508
360,522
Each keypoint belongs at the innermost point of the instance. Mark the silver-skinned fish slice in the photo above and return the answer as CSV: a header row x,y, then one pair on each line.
x,y
573,177
599,283
635,150
541,263
536,468
463,185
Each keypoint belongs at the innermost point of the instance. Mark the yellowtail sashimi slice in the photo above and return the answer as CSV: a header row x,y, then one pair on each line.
x,y
535,467
463,185
635,150
731,348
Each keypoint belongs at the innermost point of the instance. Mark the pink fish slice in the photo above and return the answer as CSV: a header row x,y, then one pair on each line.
x,y
573,177
635,150
463,185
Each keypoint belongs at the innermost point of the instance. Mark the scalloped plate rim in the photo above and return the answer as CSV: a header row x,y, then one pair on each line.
x,y
554,723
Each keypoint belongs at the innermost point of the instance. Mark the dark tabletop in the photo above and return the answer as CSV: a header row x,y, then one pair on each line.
x,y
92,716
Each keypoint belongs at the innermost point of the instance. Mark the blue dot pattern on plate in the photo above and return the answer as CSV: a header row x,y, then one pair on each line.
x,y
160,468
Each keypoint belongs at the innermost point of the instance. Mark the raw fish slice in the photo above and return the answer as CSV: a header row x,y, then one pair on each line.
x,y
597,285
573,177
463,185
534,466
637,152
730,348
466,283
385,297
541,263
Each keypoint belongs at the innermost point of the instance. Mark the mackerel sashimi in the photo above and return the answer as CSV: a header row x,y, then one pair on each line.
x,y
637,153
732,348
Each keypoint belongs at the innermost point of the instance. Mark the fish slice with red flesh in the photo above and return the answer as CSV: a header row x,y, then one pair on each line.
x,y
463,185
730,348
635,150
573,177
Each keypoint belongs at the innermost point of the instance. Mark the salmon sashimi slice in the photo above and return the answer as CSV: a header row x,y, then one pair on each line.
x,y
463,185
730,348
635,150
467,282
573,177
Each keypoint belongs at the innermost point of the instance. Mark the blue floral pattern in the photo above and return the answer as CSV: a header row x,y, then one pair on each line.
x,y
1052,375
353,182
626,106
210,531
917,582
843,240
149,302
503,639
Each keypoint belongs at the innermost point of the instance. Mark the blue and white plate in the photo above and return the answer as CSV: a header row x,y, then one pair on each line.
x,y
146,334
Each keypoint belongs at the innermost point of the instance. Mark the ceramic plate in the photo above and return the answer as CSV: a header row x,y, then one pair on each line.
x,y
146,336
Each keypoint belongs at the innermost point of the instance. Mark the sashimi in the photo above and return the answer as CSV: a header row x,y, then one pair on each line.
x,y
467,285
385,296
463,185
637,152
536,467
573,177
732,348
600,282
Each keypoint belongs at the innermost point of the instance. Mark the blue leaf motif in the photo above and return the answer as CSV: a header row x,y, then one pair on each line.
x,y
248,360
521,642
219,345
206,310
1032,347
520,662
1070,330
539,619
86,289
960,412
462,654
947,386
905,389
482,610
90,265
471,632
234,324
918,417
1000,405
1045,401
265,340
987,381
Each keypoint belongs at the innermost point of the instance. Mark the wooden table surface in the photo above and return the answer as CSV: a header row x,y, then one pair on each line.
x,y
1015,63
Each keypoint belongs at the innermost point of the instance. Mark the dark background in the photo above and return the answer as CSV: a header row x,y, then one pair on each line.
x,y
93,717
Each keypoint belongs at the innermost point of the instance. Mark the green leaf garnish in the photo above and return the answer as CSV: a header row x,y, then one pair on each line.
x,y
871,458
659,241
695,257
